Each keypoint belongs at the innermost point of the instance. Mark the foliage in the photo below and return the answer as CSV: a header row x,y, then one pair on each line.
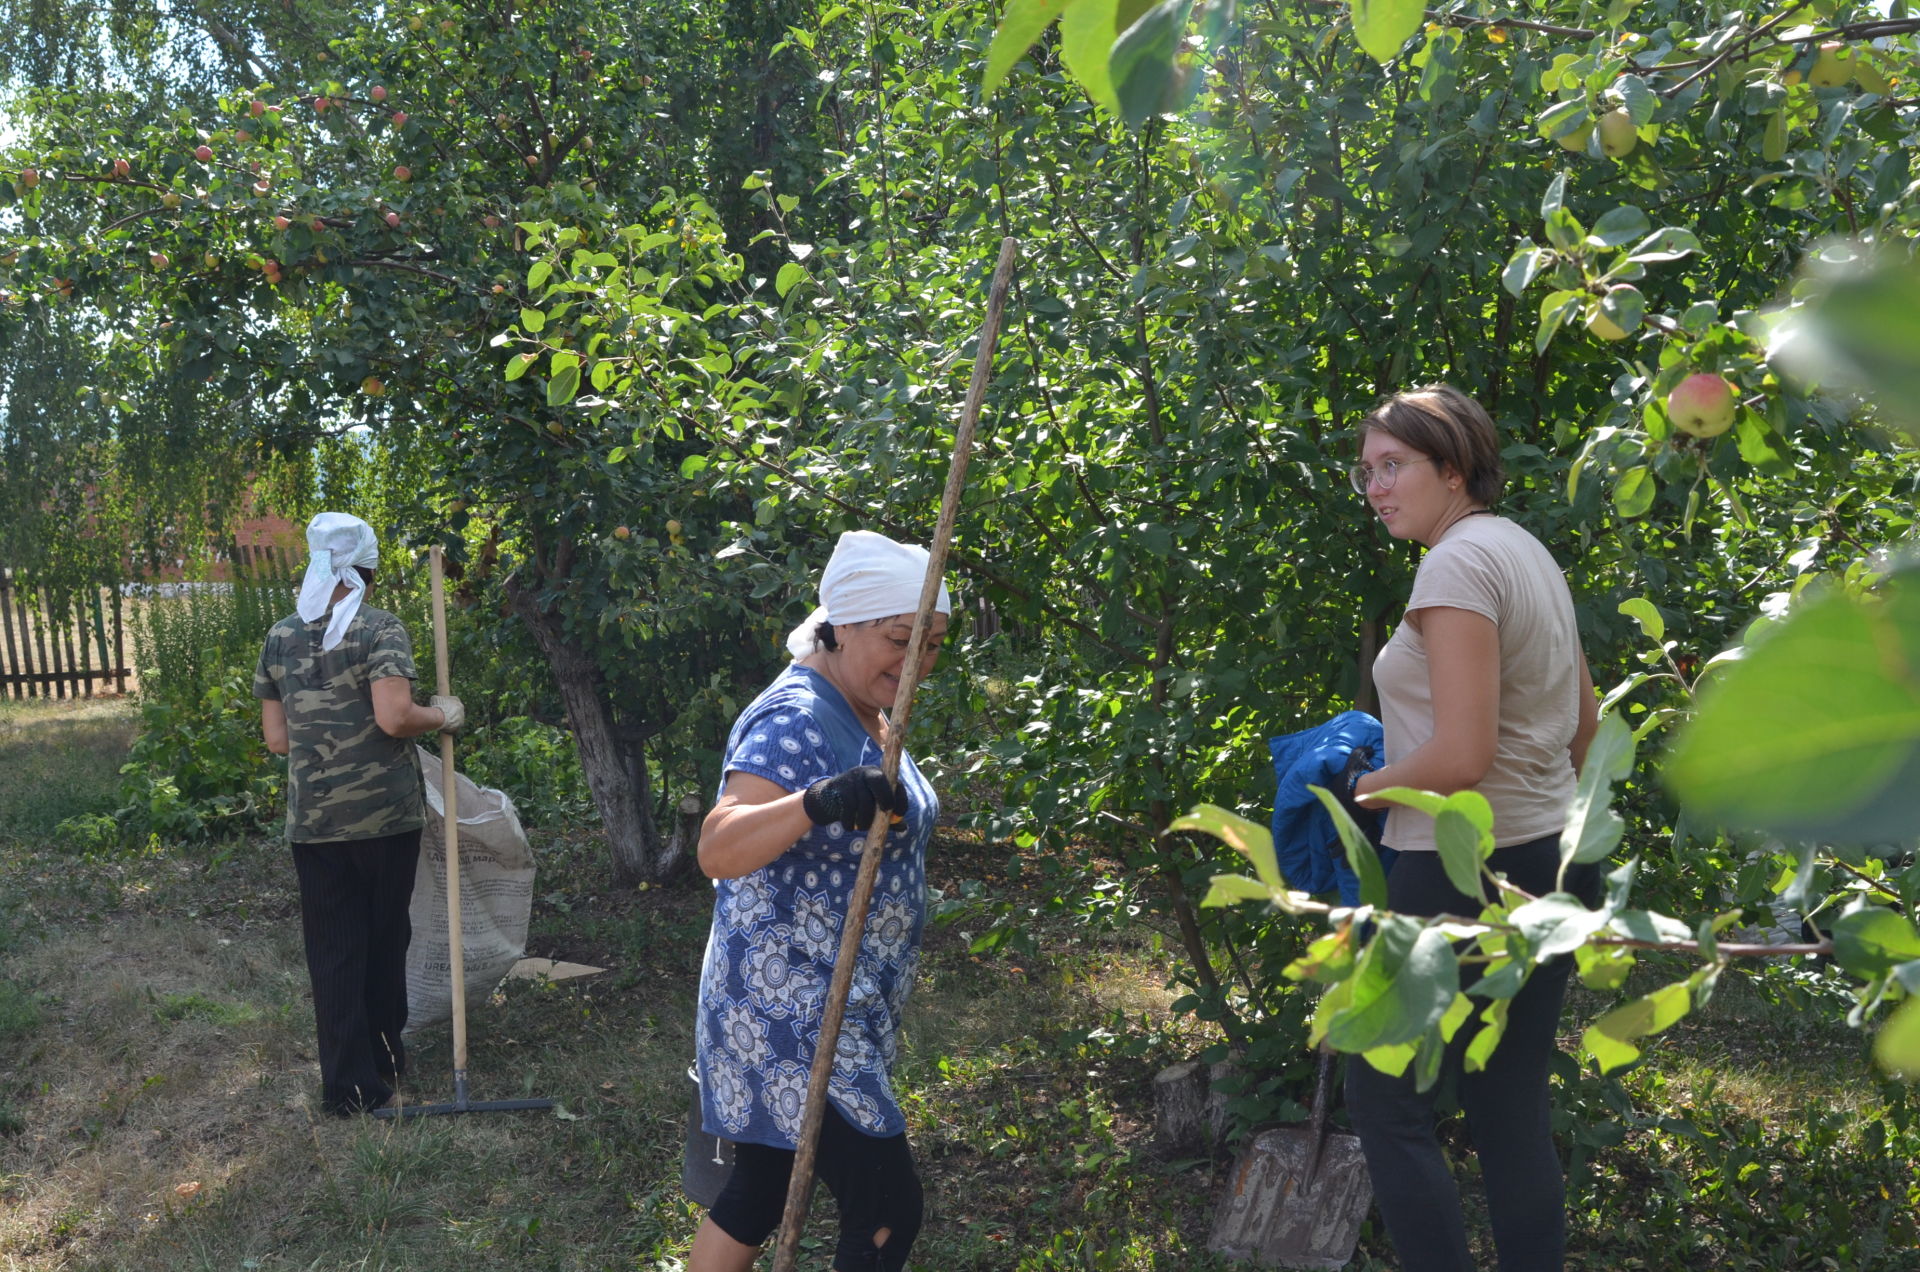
x,y
198,770
188,636
533,762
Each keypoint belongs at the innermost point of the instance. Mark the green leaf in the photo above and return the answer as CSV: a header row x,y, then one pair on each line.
x,y
1141,64
1557,924
517,365
1897,1046
1524,267
1633,493
1087,32
1637,98
1402,984
1869,940
1459,844
1021,23
1610,1039
1816,732
1621,225
564,380
1604,967
791,275
1555,197
1862,328
1647,614
1361,857
1250,839
533,320
1384,26
1669,243
1233,889
1493,1027
1555,310
1593,828
538,274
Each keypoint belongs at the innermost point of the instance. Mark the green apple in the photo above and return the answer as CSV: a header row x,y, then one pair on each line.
x,y
1702,406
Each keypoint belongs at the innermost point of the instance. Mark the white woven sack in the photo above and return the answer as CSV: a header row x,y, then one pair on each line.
x,y
496,897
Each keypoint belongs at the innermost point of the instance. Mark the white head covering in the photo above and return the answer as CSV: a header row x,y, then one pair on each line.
x,y
869,576
339,541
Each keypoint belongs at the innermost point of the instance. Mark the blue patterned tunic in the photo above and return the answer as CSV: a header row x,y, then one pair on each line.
x,y
776,934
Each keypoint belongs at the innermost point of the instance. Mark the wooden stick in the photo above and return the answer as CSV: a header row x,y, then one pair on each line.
x,y
800,1186
450,823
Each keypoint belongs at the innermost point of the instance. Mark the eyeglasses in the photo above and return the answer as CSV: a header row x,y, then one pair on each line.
x,y
1365,475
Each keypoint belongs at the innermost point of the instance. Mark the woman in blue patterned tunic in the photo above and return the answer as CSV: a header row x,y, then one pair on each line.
x,y
800,786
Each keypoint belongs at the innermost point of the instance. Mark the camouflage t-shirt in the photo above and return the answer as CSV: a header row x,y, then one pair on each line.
x,y
346,779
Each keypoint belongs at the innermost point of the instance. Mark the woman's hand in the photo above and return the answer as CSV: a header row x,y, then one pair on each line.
x,y
853,797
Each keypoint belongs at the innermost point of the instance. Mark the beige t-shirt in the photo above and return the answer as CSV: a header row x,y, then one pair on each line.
x,y
1491,566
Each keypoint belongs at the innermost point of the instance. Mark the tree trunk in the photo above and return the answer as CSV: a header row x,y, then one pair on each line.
x,y
613,761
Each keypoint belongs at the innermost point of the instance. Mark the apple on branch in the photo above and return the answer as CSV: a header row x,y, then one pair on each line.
x,y
1702,406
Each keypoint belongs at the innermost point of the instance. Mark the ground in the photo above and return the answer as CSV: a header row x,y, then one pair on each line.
x,y
157,1087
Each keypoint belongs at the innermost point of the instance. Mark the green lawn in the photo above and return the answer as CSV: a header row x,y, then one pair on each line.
x,y
157,1089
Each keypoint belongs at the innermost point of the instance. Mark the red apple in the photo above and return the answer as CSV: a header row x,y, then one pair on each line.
x,y
378,93
320,105
159,260
203,153
490,221
399,119
393,220
122,169
257,108
242,136
402,173
317,225
29,177
281,223
1702,406
372,387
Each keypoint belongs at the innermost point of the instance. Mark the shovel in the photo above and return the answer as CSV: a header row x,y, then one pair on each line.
x,y
1298,1195
450,818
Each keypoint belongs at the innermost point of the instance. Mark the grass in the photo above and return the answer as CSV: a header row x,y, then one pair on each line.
x,y
158,1087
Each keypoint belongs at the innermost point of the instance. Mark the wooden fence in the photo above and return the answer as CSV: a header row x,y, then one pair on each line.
x,y
60,642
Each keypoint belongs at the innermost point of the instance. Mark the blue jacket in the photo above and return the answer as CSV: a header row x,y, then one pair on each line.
x,y
1309,848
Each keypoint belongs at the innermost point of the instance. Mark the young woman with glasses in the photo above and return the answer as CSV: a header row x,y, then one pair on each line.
x,y
1483,686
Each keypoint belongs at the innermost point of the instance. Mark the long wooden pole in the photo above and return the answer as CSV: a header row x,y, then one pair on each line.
x,y
450,822
800,1186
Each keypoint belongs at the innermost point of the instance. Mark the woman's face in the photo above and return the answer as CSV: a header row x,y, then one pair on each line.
x,y
868,664
1420,500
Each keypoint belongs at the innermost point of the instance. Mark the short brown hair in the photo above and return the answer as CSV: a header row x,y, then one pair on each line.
x,y
1449,427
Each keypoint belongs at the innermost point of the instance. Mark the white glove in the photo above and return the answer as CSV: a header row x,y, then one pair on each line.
x,y
449,706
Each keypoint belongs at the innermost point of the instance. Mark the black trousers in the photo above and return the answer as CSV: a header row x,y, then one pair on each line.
x,y
353,914
873,1179
1508,1103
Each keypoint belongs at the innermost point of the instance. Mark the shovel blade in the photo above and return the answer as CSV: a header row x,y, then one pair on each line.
x,y
1274,1215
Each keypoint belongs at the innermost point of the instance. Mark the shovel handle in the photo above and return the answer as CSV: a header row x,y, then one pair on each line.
x,y
1317,1116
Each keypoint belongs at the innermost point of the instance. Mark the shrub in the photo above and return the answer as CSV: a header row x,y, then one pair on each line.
x,y
535,763
198,770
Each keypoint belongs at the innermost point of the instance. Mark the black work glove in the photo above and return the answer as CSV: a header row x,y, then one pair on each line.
x,y
1371,821
852,798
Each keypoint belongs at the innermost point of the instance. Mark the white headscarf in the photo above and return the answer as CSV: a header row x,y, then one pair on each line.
x,y
339,541
869,576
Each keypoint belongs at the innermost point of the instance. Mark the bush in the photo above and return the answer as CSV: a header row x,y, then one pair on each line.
x,y
534,763
198,771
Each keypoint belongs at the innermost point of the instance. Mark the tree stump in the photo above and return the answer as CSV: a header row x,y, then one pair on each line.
x,y
1180,1106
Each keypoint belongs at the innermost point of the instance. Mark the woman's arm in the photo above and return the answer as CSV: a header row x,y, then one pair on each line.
x,y
754,822
1589,719
273,725
397,714
1463,674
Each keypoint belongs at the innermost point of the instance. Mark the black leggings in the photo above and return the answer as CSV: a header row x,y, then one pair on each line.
x,y
873,1179
1508,1104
